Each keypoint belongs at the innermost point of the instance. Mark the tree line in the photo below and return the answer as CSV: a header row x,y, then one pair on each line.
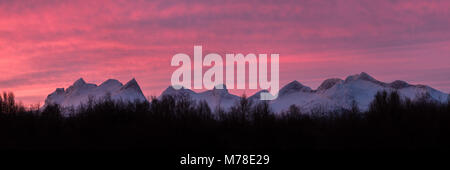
x,y
179,123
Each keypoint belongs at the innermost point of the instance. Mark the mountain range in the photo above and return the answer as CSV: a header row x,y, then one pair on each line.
x,y
80,92
332,94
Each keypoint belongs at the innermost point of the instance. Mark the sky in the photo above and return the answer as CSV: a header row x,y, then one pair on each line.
x,y
45,45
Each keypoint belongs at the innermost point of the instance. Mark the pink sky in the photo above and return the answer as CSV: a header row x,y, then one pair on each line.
x,y
50,44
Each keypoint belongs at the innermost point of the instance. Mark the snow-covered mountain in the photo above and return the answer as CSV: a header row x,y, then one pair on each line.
x,y
332,94
215,97
80,92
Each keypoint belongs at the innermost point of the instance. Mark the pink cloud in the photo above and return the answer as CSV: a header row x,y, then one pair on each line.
x,y
49,44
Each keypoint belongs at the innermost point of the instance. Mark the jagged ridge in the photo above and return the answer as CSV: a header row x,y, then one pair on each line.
x,y
80,92
332,94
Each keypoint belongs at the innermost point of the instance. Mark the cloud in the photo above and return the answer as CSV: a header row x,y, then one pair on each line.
x,y
60,41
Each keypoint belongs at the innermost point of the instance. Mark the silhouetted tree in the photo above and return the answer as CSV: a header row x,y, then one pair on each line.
x,y
448,99
203,110
1,105
52,111
167,121
380,102
8,103
424,98
354,107
261,112
294,112
241,111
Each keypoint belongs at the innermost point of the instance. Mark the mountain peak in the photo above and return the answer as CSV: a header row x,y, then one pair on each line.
x,y
59,90
177,88
131,84
80,92
220,87
294,86
111,82
328,83
398,84
365,76
171,90
362,76
79,82
294,83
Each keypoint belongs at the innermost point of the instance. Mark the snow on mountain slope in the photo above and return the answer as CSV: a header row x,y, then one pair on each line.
x,y
294,93
218,98
215,97
335,93
80,92
360,88
331,95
